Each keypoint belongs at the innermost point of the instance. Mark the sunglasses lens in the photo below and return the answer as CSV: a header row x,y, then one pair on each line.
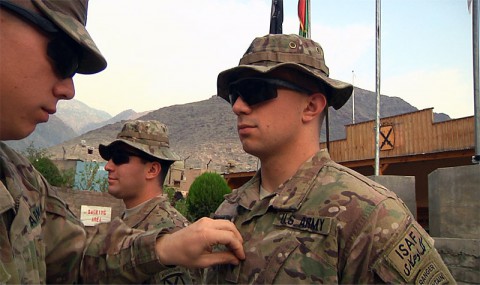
x,y
252,91
120,158
65,57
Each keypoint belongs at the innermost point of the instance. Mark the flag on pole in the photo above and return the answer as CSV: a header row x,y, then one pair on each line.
x,y
276,18
303,17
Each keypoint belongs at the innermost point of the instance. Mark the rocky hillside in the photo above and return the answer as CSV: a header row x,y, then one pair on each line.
x,y
204,132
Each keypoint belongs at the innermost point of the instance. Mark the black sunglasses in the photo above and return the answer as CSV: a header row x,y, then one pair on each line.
x,y
254,90
62,50
121,156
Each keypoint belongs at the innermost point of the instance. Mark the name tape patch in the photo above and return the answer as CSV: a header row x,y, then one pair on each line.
x,y
409,252
314,224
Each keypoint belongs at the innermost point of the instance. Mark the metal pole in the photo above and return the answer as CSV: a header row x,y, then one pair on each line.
x,y
476,158
377,67
309,31
353,97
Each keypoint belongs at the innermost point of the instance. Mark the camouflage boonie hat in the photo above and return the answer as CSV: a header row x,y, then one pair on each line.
x,y
70,16
150,137
275,51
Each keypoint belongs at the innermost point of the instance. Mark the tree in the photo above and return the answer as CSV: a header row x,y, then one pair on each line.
x,y
205,195
43,164
90,180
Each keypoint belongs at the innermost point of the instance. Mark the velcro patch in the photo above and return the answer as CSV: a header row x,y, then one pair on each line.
x,y
438,279
174,275
409,252
314,224
434,274
426,273
35,215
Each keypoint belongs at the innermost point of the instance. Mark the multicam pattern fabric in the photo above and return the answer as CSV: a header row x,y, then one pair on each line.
x,y
328,224
118,254
275,51
71,17
149,136
158,213
40,238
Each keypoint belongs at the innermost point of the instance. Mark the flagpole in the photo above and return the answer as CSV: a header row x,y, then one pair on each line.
x,y
353,97
377,57
476,95
308,20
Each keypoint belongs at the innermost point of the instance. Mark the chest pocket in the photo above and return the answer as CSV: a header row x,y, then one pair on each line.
x,y
264,261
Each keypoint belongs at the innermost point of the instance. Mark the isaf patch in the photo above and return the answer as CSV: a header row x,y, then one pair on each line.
x,y
314,224
409,253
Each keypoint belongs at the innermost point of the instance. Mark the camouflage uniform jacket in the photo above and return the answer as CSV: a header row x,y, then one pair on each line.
x,y
159,213
42,241
328,224
118,254
40,238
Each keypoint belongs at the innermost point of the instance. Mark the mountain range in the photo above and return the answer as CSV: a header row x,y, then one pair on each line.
x,y
203,133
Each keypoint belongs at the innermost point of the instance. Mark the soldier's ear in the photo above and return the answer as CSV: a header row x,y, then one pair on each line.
x,y
316,103
153,169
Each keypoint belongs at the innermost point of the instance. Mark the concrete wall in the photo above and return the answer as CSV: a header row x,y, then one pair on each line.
x,y
403,186
76,198
454,206
462,257
65,165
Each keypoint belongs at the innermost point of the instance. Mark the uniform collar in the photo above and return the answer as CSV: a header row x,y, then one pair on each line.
x,y
136,218
289,195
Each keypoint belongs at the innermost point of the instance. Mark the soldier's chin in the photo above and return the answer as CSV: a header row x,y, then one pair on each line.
x,y
18,133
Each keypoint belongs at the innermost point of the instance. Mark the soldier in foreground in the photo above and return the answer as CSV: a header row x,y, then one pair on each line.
x,y
138,162
304,218
42,45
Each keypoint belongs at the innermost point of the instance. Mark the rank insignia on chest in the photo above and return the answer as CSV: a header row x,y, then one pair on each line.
x,y
314,224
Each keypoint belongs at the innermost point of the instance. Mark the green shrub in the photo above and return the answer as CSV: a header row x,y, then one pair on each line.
x,y
170,191
205,195
40,160
48,169
181,206
89,180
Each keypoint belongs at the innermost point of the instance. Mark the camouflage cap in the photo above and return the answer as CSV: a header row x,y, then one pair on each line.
x,y
275,51
150,137
70,17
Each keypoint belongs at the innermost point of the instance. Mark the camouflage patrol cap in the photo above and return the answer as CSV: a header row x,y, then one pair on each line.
x,y
275,51
150,137
70,16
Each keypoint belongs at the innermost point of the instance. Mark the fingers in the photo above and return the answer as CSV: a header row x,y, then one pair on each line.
x,y
221,225
192,246
221,257
233,241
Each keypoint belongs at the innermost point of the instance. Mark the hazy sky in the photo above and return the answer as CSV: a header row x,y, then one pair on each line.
x,y
161,53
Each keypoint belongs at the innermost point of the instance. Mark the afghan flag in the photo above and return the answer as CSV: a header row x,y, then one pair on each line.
x,y
303,17
276,18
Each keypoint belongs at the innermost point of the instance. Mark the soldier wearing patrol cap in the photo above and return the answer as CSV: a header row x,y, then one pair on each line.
x,y
43,44
304,218
138,162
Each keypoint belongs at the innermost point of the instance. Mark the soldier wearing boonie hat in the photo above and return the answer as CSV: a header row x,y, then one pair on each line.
x,y
273,52
150,137
308,219
138,163
42,45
